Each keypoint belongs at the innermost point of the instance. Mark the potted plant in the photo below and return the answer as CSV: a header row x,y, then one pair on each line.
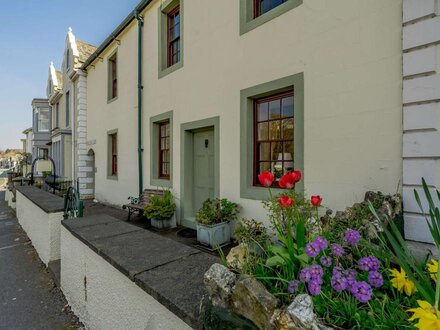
x,y
213,222
161,210
253,233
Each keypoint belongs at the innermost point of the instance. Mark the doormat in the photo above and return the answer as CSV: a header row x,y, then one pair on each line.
x,y
187,233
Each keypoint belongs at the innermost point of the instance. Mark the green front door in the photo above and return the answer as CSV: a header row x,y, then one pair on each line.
x,y
204,169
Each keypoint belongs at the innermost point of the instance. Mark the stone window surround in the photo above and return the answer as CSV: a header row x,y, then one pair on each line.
x,y
163,11
247,97
154,150
109,153
113,56
247,20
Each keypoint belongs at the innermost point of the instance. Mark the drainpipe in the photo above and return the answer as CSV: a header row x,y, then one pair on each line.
x,y
140,87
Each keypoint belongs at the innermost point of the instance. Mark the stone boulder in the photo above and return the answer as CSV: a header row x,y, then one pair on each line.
x,y
236,258
251,300
219,282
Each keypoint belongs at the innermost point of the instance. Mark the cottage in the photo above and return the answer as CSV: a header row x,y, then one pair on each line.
x,y
201,99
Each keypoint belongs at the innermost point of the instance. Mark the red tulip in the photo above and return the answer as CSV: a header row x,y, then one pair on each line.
x,y
316,200
287,182
266,179
296,175
286,201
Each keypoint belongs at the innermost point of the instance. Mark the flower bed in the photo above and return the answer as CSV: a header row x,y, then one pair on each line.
x,y
357,274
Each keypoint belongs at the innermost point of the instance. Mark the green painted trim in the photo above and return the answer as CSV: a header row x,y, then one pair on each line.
x,y
154,150
113,54
163,10
247,189
186,164
109,151
248,22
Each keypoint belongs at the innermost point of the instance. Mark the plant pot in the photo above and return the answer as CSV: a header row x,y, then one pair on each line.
x,y
214,235
164,224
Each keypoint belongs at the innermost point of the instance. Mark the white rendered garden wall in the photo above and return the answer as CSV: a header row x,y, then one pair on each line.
x,y
421,109
104,298
42,228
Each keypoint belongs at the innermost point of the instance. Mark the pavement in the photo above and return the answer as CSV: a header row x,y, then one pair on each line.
x,y
29,298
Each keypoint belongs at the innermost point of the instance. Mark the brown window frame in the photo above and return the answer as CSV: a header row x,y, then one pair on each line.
x,y
257,161
257,7
114,154
113,67
171,39
162,162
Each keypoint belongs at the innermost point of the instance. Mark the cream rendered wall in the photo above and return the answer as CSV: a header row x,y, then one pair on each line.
x,y
121,114
349,52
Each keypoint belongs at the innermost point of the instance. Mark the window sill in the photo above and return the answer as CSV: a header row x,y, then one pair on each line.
x,y
111,100
112,177
246,9
170,69
168,183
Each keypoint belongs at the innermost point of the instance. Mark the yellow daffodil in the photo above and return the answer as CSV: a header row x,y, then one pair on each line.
x,y
428,318
432,269
401,282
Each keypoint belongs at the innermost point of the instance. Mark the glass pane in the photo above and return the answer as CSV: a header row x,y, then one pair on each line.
x,y
167,145
275,129
167,129
264,166
277,149
288,148
288,157
262,111
263,131
176,30
164,156
287,107
162,143
164,169
162,130
288,129
177,18
264,151
167,168
168,155
274,109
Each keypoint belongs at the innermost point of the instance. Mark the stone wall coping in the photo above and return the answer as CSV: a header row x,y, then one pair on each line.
x,y
169,271
48,202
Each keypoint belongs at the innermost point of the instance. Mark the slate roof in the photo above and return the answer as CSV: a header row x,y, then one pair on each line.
x,y
85,50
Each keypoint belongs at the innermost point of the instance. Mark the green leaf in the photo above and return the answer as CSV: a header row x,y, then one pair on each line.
x,y
275,261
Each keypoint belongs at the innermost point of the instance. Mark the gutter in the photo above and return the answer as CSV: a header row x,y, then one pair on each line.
x,y
140,87
132,16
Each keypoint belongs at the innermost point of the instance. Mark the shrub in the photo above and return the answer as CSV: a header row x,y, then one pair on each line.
x,y
214,211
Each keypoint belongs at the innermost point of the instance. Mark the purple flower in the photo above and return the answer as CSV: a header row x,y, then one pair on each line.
x,y
351,281
337,269
312,249
338,250
322,242
375,279
352,236
338,282
374,263
293,286
326,261
314,288
350,273
369,263
305,275
362,291
316,271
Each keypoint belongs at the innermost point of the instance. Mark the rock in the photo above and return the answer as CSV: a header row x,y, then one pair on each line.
x,y
302,315
219,282
236,258
281,320
251,300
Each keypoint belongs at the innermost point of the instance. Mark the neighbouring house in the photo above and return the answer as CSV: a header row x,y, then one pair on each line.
x,y
66,94
41,126
232,88
27,150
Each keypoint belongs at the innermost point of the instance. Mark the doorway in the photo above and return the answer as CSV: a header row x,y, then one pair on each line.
x,y
200,166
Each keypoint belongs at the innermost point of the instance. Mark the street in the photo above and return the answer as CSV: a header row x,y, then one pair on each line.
x,y
28,297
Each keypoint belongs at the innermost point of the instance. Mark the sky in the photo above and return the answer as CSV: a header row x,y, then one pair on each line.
x,y
32,34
